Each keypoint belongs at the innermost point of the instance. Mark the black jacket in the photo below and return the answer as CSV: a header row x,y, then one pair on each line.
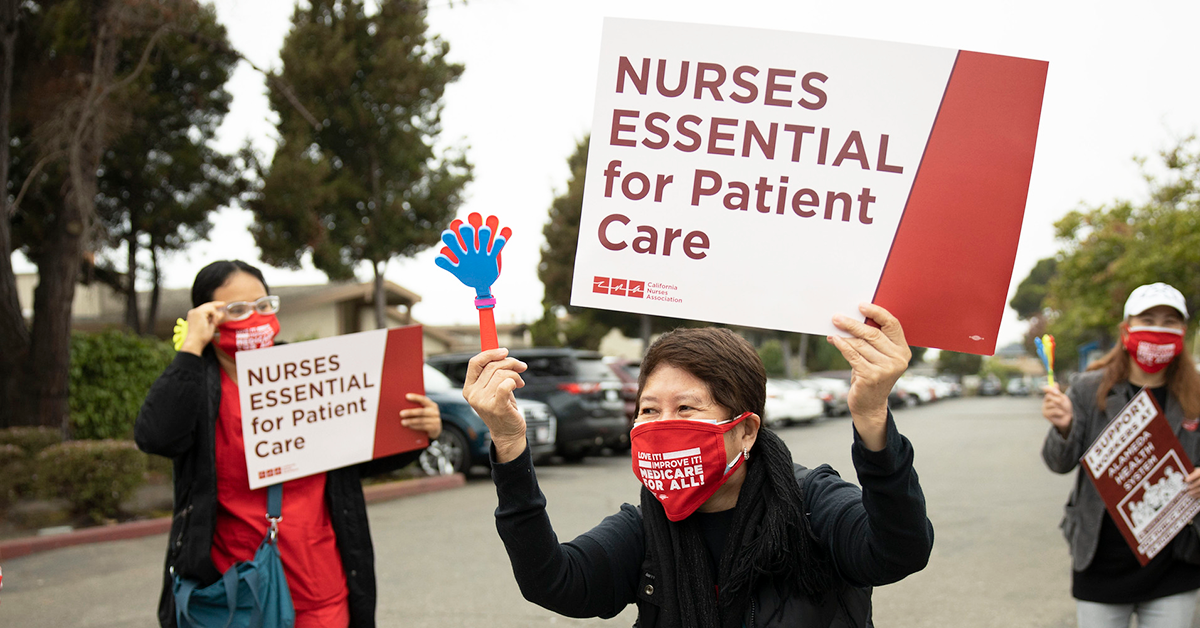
x,y
179,420
874,536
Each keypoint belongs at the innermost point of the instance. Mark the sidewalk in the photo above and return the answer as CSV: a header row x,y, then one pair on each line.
x,y
16,548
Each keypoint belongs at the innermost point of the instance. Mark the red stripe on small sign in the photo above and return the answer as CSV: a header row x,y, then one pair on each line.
x,y
402,363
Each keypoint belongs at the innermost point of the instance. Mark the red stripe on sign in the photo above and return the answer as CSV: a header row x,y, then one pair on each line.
x,y
946,277
402,364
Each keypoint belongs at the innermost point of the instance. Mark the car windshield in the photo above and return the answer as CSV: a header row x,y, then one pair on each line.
x,y
436,382
547,366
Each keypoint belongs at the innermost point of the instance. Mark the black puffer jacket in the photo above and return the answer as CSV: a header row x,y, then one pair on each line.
x,y
874,536
179,420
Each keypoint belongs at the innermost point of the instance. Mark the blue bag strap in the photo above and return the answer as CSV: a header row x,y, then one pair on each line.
x,y
274,500
274,509
230,578
183,601
253,585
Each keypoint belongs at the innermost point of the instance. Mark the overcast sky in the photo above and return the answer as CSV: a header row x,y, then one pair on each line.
x,y
1121,83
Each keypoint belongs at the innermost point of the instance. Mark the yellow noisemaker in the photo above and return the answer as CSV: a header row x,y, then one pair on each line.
x,y
181,330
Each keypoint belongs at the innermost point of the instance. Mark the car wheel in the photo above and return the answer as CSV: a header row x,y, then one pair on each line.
x,y
450,453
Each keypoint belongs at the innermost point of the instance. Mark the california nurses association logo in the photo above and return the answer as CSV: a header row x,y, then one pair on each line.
x,y
618,287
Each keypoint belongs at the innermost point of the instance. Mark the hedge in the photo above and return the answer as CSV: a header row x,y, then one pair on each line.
x,y
94,476
31,440
14,473
111,372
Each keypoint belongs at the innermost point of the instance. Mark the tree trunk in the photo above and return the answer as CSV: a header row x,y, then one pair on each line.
x,y
14,334
47,375
380,299
155,291
129,286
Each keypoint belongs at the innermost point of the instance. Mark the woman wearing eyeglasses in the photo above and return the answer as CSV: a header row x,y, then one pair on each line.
x,y
192,416
729,532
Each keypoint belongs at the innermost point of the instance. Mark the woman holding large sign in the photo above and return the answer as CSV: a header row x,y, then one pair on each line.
x,y
192,415
1109,582
729,531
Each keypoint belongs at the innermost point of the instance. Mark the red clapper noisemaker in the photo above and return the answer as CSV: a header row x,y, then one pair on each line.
x,y
472,253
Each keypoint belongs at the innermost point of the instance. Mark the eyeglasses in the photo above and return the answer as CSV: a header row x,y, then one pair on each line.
x,y
239,310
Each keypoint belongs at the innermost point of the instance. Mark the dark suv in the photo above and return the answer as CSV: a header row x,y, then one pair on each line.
x,y
579,387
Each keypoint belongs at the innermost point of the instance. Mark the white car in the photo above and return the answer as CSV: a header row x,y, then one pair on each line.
x,y
789,402
832,391
920,390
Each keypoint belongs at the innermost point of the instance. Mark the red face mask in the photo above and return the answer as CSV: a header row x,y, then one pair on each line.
x,y
1153,348
256,331
682,462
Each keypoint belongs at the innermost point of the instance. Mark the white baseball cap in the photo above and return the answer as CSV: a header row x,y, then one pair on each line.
x,y
1152,295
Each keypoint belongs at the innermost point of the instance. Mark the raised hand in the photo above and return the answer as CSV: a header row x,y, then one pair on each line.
x,y
472,252
878,357
201,326
1057,408
492,377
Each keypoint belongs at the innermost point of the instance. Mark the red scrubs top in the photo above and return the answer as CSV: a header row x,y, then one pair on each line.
x,y
307,545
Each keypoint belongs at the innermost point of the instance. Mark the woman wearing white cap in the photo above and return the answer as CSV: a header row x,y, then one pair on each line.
x,y
1108,582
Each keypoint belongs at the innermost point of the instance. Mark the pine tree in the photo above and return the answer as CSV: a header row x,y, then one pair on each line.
x,y
355,176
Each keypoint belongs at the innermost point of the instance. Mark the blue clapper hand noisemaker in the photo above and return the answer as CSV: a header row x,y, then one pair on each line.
x,y
472,253
1045,351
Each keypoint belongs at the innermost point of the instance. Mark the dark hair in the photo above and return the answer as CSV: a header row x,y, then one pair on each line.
x,y
216,274
723,360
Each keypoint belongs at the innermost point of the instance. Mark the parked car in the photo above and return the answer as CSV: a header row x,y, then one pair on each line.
x,y
789,402
942,389
627,372
990,386
465,439
1017,387
835,393
920,390
951,384
899,398
581,390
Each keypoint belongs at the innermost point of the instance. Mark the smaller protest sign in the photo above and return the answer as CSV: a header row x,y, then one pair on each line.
x,y
1140,470
309,407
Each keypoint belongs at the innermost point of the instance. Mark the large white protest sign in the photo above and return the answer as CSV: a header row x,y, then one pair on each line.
x,y
773,179
309,407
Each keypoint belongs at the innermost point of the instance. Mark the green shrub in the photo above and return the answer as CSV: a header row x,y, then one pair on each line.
x,y
771,353
94,476
19,447
31,440
15,473
111,372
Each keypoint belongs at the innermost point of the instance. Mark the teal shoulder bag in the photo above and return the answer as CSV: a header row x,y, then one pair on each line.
x,y
251,594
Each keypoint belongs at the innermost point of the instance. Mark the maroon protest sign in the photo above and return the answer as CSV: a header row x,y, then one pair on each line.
x,y
1140,470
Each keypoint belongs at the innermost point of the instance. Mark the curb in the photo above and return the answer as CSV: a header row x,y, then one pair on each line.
x,y
374,493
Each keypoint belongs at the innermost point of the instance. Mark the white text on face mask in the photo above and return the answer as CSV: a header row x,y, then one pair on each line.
x,y
681,469
254,337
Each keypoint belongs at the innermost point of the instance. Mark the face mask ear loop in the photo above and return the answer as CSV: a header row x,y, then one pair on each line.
x,y
730,466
